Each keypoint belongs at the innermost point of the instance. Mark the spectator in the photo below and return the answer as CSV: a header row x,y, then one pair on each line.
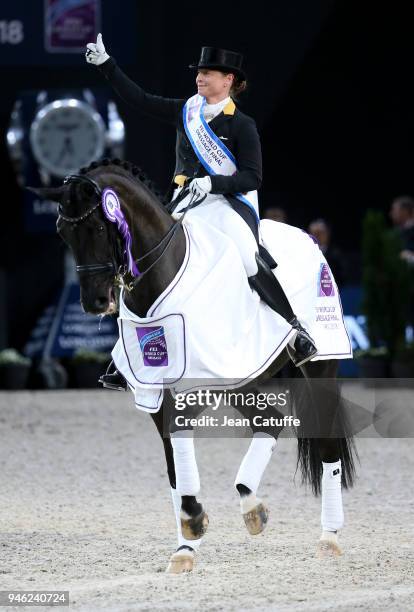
x,y
275,213
402,216
321,231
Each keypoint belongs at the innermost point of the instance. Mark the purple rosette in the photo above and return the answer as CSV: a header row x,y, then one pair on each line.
x,y
113,212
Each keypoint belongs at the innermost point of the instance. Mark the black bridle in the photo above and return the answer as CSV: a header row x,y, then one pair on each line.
x,y
114,267
97,268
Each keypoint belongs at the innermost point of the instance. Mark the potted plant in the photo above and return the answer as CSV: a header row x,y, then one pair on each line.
x,y
403,363
87,366
398,292
373,362
386,290
14,369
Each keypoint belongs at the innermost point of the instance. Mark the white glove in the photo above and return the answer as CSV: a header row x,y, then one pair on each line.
x,y
95,53
200,186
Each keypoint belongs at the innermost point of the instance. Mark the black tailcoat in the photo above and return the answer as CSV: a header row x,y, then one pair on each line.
x,y
237,130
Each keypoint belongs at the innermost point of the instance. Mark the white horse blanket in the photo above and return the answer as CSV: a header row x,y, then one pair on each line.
x,y
208,329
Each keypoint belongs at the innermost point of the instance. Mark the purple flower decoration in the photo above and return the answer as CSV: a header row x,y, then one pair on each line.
x,y
113,212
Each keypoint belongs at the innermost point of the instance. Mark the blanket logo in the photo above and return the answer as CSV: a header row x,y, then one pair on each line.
x,y
153,345
325,283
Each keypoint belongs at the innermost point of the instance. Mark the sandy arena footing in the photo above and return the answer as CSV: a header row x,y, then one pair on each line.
x,y
76,468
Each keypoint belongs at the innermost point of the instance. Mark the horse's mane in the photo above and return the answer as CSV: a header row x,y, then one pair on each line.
x,y
135,171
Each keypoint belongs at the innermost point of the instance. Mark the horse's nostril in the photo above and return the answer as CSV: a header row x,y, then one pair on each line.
x,y
101,302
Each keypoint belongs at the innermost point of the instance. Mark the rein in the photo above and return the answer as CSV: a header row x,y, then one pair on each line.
x,y
92,269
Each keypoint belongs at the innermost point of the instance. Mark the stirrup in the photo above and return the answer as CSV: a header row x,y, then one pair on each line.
x,y
113,379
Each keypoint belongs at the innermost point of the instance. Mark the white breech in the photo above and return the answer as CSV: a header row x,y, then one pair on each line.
x,y
217,211
255,461
332,515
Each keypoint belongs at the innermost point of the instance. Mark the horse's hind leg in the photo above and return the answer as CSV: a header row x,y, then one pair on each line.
x,y
331,446
183,558
332,515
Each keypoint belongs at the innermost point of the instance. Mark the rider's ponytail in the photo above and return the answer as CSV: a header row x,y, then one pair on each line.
x,y
238,87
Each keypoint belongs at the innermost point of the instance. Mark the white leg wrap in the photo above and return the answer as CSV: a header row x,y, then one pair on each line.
x,y
255,461
186,470
176,499
332,515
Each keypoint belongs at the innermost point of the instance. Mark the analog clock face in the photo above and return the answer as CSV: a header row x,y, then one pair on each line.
x,y
66,135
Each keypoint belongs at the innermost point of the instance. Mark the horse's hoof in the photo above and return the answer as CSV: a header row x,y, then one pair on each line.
x,y
181,562
194,528
328,548
256,519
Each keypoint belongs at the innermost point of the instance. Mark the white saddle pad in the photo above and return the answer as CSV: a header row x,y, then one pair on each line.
x,y
310,286
209,325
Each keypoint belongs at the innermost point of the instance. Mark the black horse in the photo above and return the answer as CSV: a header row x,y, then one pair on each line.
x,y
158,247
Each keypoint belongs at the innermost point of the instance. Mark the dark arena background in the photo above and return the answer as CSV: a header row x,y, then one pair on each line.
x,y
85,501
329,87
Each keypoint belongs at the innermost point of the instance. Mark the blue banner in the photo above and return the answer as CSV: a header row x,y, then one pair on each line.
x,y
355,324
64,327
55,32
69,25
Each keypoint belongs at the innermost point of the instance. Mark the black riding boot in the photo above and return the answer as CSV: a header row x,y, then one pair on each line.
x,y
113,379
271,292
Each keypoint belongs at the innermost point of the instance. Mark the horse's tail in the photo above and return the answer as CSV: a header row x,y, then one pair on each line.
x,y
321,410
310,463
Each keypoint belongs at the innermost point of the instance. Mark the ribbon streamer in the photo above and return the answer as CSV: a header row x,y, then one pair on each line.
x,y
113,212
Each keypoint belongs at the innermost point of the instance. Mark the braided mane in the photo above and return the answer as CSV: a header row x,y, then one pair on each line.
x,y
134,170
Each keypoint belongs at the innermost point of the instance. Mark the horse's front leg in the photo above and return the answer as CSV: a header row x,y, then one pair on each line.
x,y
255,513
193,519
183,559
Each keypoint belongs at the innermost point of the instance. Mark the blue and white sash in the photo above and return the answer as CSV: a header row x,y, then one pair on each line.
x,y
210,150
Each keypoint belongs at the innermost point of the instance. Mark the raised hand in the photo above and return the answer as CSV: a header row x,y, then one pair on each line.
x,y
95,52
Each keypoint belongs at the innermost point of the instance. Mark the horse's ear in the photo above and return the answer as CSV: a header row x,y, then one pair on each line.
x,y
48,193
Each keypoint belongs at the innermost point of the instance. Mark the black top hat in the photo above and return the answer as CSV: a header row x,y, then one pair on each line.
x,y
221,59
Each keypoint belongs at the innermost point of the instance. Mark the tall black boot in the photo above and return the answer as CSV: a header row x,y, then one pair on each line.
x,y
271,292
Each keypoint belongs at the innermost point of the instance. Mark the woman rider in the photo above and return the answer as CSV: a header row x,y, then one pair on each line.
x,y
218,155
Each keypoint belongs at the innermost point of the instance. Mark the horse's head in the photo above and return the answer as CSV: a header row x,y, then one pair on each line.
x,y
94,242
111,217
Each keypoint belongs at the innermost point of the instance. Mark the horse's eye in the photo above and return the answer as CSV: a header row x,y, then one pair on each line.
x,y
101,229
